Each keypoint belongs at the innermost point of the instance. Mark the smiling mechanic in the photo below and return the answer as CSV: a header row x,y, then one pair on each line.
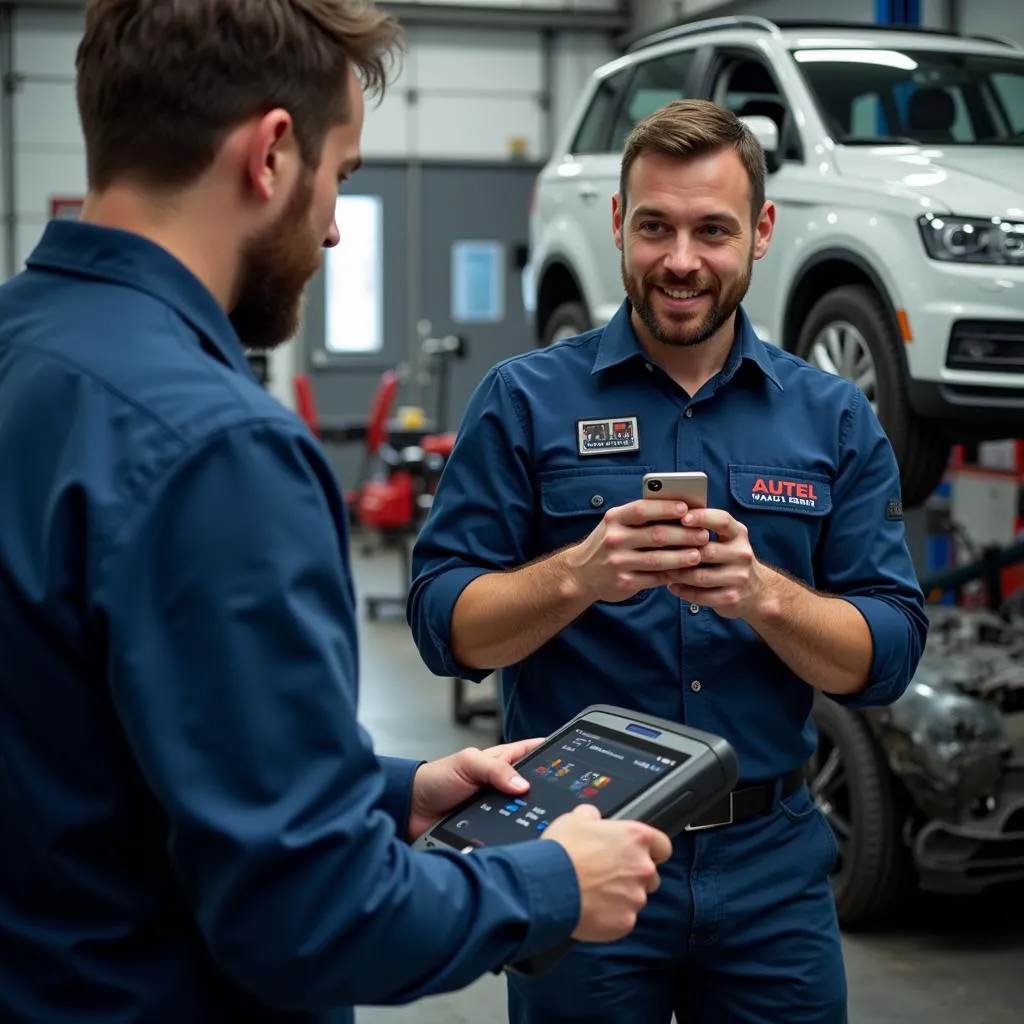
x,y
195,827
539,558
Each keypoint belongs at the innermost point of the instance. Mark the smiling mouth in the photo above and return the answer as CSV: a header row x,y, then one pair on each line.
x,y
682,293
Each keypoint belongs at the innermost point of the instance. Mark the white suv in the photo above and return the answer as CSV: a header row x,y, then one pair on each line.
x,y
896,161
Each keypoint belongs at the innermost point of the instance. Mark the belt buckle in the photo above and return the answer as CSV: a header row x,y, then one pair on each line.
x,y
712,824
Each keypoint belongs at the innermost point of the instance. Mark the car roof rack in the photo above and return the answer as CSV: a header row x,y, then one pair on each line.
x,y
776,26
703,25
863,26
920,30
1002,40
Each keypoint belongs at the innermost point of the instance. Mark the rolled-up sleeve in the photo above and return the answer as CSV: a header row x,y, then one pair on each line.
x,y
481,519
396,799
865,558
233,668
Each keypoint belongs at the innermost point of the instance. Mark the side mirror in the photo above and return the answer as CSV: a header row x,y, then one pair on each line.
x,y
766,131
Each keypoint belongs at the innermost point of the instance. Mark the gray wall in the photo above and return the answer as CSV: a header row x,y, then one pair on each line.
x,y
427,206
463,92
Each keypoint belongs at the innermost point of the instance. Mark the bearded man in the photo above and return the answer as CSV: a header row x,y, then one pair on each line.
x,y
195,828
539,559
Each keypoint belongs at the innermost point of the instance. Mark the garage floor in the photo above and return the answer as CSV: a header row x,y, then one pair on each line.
x,y
950,962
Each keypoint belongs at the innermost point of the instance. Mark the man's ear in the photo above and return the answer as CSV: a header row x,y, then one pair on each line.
x,y
618,211
270,150
763,229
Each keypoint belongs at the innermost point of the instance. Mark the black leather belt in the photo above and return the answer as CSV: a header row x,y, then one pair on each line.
x,y
748,801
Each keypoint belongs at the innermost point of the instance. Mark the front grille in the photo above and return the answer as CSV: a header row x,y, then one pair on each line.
x,y
993,345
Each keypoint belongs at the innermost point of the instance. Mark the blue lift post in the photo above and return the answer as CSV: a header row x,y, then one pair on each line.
x,y
898,12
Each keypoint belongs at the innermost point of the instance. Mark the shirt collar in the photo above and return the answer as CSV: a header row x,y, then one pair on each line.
x,y
619,344
109,254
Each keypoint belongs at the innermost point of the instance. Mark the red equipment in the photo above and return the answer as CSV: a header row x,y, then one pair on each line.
x,y
395,486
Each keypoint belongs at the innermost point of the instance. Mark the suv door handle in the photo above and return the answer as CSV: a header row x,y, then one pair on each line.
x,y
587,191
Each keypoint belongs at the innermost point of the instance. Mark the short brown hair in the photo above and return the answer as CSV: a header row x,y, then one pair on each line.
x,y
694,128
161,83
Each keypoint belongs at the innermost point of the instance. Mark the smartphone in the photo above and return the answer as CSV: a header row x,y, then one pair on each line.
x,y
691,487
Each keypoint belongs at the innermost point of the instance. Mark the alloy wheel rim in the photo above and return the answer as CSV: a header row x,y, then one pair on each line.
x,y
840,348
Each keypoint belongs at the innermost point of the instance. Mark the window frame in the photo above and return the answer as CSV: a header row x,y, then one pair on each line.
x,y
792,145
688,87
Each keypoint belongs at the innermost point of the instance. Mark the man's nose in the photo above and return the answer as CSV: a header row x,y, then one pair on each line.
x,y
333,236
683,258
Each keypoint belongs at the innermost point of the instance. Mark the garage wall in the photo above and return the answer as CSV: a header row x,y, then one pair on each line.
x,y
993,17
463,94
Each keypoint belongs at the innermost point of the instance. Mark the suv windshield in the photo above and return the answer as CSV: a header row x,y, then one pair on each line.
x,y
917,96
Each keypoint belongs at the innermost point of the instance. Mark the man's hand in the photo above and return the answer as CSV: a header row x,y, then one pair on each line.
x,y
635,547
616,866
731,581
441,785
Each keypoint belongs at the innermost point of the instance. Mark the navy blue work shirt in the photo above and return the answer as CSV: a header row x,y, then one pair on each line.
x,y
193,826
555,437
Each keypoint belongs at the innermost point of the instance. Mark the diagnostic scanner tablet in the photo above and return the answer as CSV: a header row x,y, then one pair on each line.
x,y
628,764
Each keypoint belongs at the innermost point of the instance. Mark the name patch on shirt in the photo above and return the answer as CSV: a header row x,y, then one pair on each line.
x,y
780,490
604,437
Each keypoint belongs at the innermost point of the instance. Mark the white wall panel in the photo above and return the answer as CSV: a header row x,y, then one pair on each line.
x,y
993,17
461,93
469,60
387,126
49,153
442,120
45,41
46,115
42,175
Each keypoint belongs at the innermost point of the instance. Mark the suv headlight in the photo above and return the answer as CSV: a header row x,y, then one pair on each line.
x,y
973,239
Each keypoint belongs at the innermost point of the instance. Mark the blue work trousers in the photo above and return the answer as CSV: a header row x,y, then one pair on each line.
x,y
743,930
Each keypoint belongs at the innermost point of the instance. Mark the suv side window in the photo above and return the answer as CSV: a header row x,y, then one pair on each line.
x,y
1010,88
592,136
654,83
745,86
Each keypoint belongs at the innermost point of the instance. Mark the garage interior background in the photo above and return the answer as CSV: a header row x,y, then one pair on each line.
x,y
434,227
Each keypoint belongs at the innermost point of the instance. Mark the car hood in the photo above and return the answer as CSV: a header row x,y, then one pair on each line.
x,y
975,181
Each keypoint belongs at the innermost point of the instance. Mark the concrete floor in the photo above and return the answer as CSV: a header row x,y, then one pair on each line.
x,y
950,962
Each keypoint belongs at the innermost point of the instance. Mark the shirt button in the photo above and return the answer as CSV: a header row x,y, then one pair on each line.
x,y
695,686
650,369
694,608
597,501
688,414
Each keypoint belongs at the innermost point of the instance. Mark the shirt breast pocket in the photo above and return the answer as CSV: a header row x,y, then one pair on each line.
x,y
573,502
784,509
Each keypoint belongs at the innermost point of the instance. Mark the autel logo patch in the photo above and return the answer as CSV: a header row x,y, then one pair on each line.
x,y
775,491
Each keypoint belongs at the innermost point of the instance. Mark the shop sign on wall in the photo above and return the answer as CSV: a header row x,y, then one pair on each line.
x,y
66,207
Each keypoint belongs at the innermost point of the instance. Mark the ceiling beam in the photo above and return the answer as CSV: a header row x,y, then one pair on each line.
x,y
489,16
483,16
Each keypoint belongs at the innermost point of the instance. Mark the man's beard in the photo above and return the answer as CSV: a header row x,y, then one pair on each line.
x,y
276,266
684,330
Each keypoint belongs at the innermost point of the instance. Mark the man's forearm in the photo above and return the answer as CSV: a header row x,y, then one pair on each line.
x,y
823,639
503,617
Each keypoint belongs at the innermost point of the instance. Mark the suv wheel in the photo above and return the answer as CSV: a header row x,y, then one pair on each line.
x,y
848,332
567,320
851,783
